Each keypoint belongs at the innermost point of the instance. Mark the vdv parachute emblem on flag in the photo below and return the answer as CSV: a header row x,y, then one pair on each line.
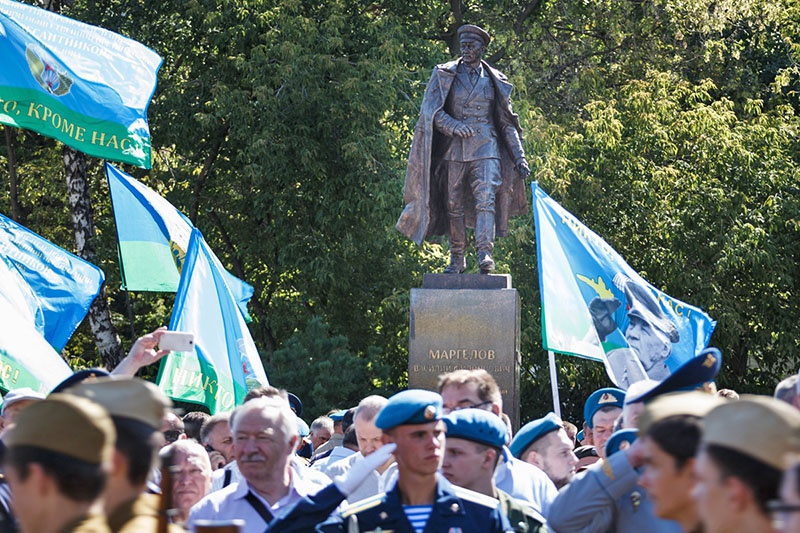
x,y
594,305
225,364
83,85
153,239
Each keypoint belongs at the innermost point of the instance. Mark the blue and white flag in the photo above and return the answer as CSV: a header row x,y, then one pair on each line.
x,y
225,363
153,238
62,286
83,85
26,359
594,305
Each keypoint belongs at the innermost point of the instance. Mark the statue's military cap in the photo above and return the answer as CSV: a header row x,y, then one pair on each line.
x,y
471,29
691,375
533,431
413,406
477,425
608,396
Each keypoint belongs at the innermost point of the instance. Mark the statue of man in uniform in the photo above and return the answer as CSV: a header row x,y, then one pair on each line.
x,y
465,156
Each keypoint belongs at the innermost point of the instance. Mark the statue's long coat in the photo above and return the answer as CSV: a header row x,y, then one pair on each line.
x,y
425,193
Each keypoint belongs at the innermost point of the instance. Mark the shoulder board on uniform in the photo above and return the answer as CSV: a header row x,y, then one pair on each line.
x,y
363,505
476,497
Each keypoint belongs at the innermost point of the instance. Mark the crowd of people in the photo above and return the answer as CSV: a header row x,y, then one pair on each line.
x,y
106,452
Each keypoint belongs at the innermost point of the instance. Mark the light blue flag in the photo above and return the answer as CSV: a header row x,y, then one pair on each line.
x,y
594,305
153,238
83,85
26,358
225,363
62,285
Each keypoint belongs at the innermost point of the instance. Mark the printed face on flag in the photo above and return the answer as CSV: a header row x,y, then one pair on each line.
x,y
594,305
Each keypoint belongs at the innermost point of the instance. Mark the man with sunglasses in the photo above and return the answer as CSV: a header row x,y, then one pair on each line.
x,y
477,389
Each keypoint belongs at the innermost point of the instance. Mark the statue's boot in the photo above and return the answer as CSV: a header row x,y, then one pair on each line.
x,y
458,245
484,240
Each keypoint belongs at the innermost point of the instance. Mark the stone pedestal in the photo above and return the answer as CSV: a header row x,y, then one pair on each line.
x,y
466,321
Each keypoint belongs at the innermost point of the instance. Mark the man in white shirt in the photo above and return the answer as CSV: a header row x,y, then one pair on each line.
x,y
369,438
265,437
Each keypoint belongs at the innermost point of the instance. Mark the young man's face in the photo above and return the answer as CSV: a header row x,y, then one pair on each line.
x,y
668,486
712,494
557,459
790,496
420,447
464,465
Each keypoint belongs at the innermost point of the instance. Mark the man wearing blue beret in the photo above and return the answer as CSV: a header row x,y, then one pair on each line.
x,y
475,440
422,499
544,443
606,496
477,388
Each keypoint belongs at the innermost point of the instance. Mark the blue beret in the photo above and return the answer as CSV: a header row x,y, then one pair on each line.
x,y
79,376
338,415
619,438
602,398
302,427
690,375
477,425
413,406
295,404
533,431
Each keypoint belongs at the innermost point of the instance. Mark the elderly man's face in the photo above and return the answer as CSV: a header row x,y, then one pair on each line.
x,y
319,436
191,480
261,446
471,49
650,344
368,435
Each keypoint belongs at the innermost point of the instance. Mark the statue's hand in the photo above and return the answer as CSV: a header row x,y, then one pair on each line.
x,y
523,169
462,130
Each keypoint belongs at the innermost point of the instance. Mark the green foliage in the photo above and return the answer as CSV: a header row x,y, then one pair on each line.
x,y
282,128
324,373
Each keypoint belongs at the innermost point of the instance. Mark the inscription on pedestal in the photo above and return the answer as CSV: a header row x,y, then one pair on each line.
x,y
451,329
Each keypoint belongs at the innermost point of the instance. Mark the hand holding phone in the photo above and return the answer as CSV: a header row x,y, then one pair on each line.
x,y
176,341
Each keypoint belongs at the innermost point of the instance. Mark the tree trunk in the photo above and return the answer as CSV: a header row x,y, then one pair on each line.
x,y
13,185
105,334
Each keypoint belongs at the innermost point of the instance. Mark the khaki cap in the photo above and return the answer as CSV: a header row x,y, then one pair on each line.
x,y
694,403
132,398
761,427
65,424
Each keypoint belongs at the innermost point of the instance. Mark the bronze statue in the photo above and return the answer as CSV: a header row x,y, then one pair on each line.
x,y
465,156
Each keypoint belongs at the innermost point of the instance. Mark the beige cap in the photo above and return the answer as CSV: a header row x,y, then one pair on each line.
x,y
694,403
761,427
65,424
132,398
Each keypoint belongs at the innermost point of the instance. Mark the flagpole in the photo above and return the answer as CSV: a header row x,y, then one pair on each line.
x,y
554,383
